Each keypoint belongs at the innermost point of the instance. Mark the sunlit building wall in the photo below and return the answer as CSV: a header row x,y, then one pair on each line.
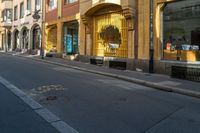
x,y
176,34
26,27
61,28
107,31
5,24
119,31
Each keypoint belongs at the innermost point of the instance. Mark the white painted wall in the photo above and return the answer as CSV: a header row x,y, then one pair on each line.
x,y
27,20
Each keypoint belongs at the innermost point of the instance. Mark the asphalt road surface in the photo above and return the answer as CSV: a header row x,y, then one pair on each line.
x,y
93,103
17,117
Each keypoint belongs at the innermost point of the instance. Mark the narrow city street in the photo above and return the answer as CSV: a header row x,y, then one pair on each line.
x,y
92,103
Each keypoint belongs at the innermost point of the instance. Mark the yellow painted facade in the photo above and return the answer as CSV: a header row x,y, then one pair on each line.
x,y
101,47
162,56
53,29
116,16
129,21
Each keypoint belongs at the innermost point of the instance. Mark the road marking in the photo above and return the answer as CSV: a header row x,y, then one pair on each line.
x,y
47,115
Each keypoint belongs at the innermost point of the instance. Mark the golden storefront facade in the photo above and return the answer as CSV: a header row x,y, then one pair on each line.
x,y
110,31
120,31
107,30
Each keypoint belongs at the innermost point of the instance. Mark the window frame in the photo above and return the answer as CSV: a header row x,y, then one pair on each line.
x,y
27,5
16,12
50,8
5,15
21,9
36,3
66,2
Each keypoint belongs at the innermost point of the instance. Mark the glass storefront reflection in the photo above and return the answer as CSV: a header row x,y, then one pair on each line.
x,y
181,23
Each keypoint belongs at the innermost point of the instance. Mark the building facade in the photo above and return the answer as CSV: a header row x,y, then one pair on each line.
x,y
5,24
125,33
176,34
108,31
61,29
144,35
27,25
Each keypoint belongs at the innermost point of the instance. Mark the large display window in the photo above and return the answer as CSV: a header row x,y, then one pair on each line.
x,y
181,31
110,35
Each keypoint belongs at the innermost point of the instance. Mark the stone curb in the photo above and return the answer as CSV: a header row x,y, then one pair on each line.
x,y
125,78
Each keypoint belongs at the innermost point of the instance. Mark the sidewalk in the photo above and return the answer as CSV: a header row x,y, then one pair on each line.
x,y
157,81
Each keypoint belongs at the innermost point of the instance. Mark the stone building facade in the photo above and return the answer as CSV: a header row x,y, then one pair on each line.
x,y
27,26
5,24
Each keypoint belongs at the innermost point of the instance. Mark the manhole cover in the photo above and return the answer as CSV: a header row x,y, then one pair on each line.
x,y
51,98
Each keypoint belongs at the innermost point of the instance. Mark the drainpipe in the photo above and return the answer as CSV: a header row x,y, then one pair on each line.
x,y
43,11
151,49
5,37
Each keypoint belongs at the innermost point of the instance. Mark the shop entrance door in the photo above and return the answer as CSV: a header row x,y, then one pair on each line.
x,y
71,38
36,38
25,39
9,40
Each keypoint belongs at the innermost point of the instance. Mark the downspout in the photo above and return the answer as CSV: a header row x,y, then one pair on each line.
x,y
5,37
42,28
151,49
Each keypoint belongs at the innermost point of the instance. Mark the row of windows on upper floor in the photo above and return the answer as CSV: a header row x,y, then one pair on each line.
x,y
7,13
52,4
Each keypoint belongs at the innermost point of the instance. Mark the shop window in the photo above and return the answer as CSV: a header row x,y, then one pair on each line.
x,y
110,36
71,46
181,31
